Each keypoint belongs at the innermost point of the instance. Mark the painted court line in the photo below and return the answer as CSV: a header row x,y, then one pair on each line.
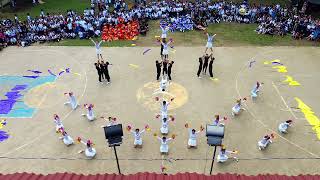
x,y
284,102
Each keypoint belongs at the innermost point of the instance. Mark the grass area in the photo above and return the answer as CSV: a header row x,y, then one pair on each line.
x,y
228,34
49,6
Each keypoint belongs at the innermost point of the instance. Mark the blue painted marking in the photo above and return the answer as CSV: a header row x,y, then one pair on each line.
x,y
13,99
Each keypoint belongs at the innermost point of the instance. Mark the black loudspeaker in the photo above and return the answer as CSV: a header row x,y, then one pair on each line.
x,y
214,134
114,134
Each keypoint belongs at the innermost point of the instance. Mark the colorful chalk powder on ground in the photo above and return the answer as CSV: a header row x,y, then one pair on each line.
x,y
14,88
3,136
312,119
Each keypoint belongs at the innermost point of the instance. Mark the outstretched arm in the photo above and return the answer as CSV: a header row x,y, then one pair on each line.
x,y
93,41
100,43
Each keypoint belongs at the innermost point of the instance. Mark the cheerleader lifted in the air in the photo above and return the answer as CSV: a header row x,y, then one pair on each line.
x,y
192,141
90,114
89,152
223,155
165,51
283,127
137,135
72,100
164,33
58,123
67,140
98,48
210,42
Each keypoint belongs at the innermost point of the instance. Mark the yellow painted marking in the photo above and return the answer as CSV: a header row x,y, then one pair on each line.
x,y
282,69
145,96
291,81
214,79
312,119
266,62
134,66
77,74
133,44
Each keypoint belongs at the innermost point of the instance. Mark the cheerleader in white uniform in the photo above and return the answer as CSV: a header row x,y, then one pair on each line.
x,y
164,32
255,90
137,136
164,147
89,152
58,122
164,83
72,100
165,51
111,121
265,141
192,141
90,114
210,42
223,155
283,127
164,109
217,121
98,49
164,126
67,140
237,108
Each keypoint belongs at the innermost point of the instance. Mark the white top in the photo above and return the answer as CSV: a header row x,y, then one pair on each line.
x,y
210,39
165,124
97,45
165,45
137,136
193,136
164,142
164,108
164,30
58,122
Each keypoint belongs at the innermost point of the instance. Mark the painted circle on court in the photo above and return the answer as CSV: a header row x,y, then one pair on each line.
x,y
146,95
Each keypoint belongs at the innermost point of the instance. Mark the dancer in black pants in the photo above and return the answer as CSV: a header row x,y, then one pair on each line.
x,y
99,71
106,71
158,66
200,67
101,65
169,69
206,62
161,52
164,67
210,66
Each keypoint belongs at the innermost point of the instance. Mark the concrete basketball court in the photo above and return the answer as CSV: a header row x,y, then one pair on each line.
x,y
33,145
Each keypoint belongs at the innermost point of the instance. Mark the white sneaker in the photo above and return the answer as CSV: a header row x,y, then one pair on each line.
x,y
199,77
108,82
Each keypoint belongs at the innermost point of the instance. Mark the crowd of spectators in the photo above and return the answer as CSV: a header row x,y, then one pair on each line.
x,y
181,16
